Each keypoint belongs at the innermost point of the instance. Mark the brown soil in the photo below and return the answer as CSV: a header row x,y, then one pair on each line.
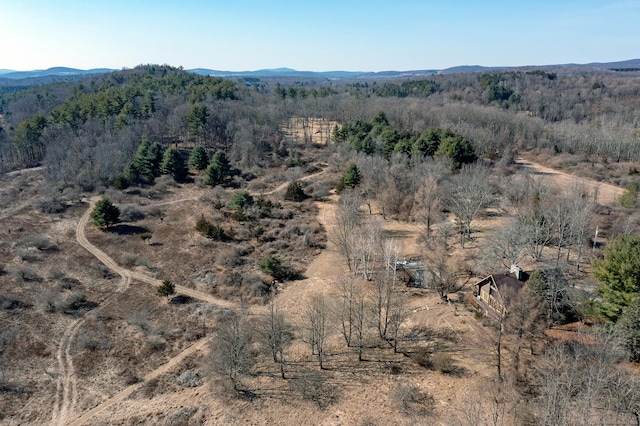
x,y
88,391
603,193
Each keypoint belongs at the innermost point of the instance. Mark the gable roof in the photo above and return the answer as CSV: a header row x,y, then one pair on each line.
x,y
507,287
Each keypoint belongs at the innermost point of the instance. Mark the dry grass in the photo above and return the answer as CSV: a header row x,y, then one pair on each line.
x,y
130,332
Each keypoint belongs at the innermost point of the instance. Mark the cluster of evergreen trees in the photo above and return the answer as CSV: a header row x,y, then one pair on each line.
x,y
377,136
152,160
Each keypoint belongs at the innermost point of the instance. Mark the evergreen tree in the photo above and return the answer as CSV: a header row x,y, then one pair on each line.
x,y
131,172
240,200
220,158
148,158
166,289
213,175
197,119
458,149
629,199
352,177
105,213
294,192
217,170
619,276
428,142
629,328
173,164
198,159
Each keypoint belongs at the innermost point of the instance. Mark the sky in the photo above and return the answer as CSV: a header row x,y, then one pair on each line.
x,y
328,35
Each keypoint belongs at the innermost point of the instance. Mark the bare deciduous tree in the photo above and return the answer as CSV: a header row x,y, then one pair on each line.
x,y
446,274
466,194
347,222
231,352
276,334
318,326
397,316
381,302
427,203
368,241
506,246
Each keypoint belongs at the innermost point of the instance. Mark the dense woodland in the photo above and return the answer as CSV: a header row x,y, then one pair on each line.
x,y
420,151
71,126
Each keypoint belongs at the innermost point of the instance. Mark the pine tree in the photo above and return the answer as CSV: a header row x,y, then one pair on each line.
x,y
166,289
220,158
213,175
351,177
198,159
629,327
218,169
148,158
105,213
619,276
294,192
173,164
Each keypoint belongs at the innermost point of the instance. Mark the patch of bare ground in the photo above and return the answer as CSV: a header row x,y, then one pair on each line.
x,y
140,359
603,193
352,392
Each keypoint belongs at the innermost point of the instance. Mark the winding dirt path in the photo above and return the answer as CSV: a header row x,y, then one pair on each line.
x,y
66,389
111,264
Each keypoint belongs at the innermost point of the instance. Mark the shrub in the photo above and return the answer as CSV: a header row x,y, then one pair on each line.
x,y
273,266
25,275
294,192
166,289
229,257
240,200
9,302
413,400
120,182
41,243
102,271
422,357
130,213
444,363
312,386
189,379
51,205
210,230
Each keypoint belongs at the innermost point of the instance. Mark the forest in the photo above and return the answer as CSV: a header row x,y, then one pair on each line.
x,y
233,191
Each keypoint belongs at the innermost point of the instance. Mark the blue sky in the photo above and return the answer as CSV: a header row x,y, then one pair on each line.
x,y
319,36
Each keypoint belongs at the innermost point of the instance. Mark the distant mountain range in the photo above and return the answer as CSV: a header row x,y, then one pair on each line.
x,y
56,71
632,64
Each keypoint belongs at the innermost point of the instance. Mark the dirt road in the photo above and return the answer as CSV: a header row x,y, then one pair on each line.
x,y
604,193
66,391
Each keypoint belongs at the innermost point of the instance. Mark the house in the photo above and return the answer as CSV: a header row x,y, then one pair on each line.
x,y
495,292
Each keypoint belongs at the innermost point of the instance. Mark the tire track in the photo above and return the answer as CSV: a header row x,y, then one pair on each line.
x,y
66,389
66,395
126,392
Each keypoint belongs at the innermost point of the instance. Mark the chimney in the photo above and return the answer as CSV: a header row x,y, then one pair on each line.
x,y
517,271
